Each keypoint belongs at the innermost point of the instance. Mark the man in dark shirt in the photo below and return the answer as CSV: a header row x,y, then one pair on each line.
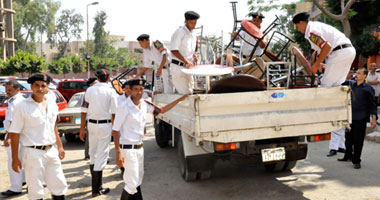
x,y
363,106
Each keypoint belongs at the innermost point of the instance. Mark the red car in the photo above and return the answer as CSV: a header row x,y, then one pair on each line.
x,y
61,103
69,87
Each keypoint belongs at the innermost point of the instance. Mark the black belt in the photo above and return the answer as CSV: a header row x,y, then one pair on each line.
x,y
342,46
44,147
176,62
103,121
131,146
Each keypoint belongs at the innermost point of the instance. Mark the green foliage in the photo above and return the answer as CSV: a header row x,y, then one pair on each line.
x,y
366,44
78,65
24,62
263,5
101,42
66,28
31,18
54,67
65,64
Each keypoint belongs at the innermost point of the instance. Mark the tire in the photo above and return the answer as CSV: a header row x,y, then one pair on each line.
x,y
275,167
161,133
183,168
289,165
70,137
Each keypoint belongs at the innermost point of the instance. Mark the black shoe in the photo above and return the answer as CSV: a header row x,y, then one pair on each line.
x,y
331,153
10,193
97,188
341,150
343,159
23,183
357,166
56,197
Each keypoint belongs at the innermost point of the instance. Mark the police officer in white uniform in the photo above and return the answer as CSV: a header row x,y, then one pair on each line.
x,y
101,99
128,133
12,89
90,82
332,44
249,42
156,57
183,45
34,125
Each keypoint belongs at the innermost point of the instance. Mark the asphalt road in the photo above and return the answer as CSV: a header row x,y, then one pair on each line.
x,y
317,177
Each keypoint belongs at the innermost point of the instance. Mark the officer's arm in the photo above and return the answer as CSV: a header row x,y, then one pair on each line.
x,y
322,56
61,151
172,104
141,72
163,61
83,116
112,118
263,43
16,163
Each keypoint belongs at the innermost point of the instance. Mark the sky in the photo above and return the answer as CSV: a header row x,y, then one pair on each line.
x,y
160,18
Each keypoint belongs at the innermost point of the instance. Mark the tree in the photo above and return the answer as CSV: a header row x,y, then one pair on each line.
x,y
67,27
101,42
343,17
32,17
54,67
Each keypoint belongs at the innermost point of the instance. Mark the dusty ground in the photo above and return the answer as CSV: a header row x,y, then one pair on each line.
x,y
317,177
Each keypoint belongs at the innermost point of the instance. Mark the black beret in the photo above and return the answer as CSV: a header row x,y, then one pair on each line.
x,y
143,37
135,81
190,15
90,80
257,15
303,16
102,73
39,77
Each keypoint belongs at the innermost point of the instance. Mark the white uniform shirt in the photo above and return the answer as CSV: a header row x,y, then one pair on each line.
x,y
185,42
246,48
101,101
8,114
34,124
375,77
318,34
153,55
130,120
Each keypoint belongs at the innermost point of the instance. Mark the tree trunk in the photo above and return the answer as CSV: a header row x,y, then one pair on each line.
x,y
346,27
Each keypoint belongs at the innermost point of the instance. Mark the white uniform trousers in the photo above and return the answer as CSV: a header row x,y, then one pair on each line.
x,y
16,178
43,166
99,141
168,86
133,169
182,82
337,67
338,139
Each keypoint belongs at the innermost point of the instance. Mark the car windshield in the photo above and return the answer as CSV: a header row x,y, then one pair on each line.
x,y
75,101
25,85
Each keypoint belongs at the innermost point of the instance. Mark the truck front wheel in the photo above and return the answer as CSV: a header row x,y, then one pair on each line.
x,y
183,168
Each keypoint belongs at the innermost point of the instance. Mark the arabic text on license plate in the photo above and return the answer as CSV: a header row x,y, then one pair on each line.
x,y
273,154
77,120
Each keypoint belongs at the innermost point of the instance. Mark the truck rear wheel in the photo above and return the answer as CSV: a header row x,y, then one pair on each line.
x,y
275,167
289,165
161,130
70,137
183,168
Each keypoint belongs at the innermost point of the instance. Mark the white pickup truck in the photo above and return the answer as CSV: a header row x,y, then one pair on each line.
x,y
270,127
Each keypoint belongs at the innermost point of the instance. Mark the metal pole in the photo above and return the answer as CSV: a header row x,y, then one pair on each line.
x,y
88,55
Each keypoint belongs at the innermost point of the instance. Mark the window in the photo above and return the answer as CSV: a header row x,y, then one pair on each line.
x,y
77,85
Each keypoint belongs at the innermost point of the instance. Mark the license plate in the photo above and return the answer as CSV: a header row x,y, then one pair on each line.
x,y
273,154
77,120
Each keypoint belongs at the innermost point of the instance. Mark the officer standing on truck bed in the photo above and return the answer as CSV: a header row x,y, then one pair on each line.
x,y
332,44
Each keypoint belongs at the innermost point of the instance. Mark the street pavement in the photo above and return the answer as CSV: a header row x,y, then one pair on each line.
x,y
316,177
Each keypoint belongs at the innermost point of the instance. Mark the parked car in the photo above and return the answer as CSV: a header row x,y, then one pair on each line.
x,y
71,86
70,118
60,100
